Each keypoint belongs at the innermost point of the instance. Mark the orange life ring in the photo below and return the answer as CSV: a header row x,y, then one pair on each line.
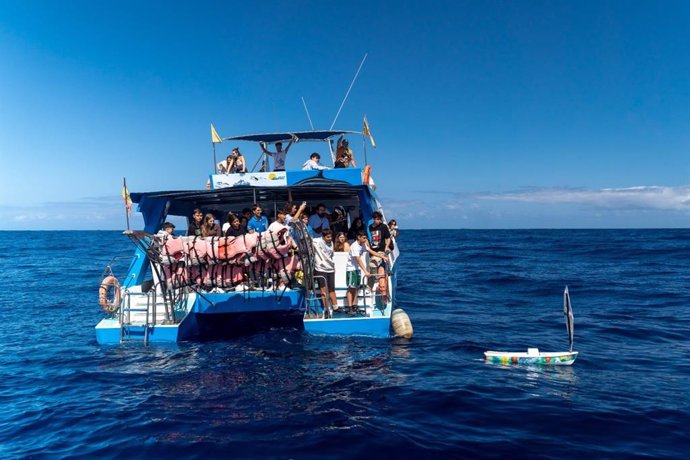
x,y
109,307
366,174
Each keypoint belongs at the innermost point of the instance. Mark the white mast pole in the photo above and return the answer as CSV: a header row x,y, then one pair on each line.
x,y
348,91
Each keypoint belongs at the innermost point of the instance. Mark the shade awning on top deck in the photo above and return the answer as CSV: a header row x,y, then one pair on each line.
x,y
286,137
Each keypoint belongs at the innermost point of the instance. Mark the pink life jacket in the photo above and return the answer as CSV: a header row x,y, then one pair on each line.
x,y
175,275
275,246
231,275
172,250
196,249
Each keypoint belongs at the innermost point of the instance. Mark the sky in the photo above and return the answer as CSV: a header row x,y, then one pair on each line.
x,y
486,114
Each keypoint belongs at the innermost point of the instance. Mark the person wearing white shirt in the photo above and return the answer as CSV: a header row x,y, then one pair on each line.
x,y
279,223
279,155
353,265
313,163
324,268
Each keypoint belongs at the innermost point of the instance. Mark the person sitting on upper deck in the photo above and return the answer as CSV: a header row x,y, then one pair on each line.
x,y
233,164
194,228
319,220
209,227
239,164
280,154
344,154
257,223
313,163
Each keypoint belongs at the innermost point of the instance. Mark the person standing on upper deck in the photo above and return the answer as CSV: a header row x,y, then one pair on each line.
x,y
280,154
257,223
319,220
344,154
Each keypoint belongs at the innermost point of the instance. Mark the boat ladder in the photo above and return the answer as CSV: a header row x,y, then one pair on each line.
x,y
139,330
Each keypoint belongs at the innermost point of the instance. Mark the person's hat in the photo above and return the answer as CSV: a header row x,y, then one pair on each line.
x,y
168,224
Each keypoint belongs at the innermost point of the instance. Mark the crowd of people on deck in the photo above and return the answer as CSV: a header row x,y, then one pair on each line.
x,y
235,163
329,233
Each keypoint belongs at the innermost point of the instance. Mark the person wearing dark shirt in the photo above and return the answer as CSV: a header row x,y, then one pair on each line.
x,y
209,227
380,243
234,229
380,235
194,228
356,227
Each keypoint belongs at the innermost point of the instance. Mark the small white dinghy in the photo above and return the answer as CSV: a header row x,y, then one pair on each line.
x,y
533,355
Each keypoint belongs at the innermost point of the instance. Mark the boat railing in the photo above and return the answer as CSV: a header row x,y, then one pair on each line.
x,y
314,298
152,247
209,264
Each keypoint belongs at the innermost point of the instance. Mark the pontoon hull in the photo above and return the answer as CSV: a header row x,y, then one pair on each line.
x,y
374,327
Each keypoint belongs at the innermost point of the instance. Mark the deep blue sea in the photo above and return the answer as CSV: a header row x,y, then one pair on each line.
x,y
285,394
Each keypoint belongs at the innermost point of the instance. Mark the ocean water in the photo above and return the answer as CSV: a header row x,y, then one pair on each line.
x,y
284,394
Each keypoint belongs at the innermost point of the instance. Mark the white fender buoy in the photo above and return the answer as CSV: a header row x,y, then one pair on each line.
x,y
401,324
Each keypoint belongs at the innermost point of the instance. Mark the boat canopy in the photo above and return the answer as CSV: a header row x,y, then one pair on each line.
x,y
286,137
181,202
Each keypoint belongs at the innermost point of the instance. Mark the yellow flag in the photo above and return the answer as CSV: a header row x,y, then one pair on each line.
x,y
368,133
125,196
215,138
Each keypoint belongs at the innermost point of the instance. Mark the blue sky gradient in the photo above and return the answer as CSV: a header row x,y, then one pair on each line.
x,y
486,114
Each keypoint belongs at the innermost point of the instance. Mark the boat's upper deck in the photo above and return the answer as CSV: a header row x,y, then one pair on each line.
x,y
290,178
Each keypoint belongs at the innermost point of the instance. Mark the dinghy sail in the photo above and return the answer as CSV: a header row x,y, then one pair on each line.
x,y
569,319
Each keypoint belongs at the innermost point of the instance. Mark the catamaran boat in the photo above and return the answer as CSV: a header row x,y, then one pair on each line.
x,y
180,288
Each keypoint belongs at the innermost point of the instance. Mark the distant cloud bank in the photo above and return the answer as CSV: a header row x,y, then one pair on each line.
x,y
545,207
548,207
642,197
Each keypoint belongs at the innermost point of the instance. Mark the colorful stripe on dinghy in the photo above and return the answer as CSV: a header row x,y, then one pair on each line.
x,y
564,358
